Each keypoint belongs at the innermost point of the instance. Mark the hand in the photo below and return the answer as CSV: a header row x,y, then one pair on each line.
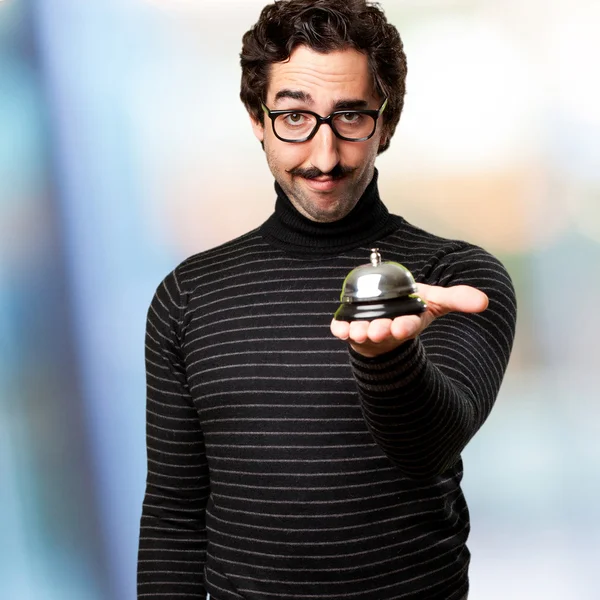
x,y
372,338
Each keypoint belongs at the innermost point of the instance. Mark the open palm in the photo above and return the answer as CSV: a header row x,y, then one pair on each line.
x,y
371,338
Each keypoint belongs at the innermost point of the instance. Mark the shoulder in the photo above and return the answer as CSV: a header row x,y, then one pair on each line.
x,y
210,265
449,262
441,259
438,260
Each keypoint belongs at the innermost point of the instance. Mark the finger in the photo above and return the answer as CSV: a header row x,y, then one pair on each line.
x,y
406,327
341,329
458,298
359,331
379,330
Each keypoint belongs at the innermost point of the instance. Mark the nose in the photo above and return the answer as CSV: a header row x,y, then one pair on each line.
x,y
324,152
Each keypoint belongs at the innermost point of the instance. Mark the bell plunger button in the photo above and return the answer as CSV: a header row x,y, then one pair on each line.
x,y
379,290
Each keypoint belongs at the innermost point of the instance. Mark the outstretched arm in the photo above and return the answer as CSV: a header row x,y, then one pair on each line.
x,y
428,382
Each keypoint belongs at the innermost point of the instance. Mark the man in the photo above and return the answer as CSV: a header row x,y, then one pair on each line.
x,y
289,455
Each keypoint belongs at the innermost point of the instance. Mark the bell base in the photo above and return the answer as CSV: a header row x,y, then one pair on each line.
x,y
367,311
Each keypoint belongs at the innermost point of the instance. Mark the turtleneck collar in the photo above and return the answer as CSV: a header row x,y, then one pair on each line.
x,y
291,231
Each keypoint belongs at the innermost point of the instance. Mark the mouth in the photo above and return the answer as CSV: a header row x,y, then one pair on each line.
x,y
324,183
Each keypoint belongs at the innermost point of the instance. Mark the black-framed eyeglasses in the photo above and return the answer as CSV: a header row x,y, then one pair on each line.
x,y
295,126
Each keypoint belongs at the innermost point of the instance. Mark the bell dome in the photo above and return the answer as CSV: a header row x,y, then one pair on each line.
x,y
378,290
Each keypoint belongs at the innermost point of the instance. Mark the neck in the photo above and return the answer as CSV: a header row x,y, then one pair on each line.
x,y
291,231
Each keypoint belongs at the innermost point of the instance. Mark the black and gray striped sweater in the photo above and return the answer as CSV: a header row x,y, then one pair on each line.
x,y
281,465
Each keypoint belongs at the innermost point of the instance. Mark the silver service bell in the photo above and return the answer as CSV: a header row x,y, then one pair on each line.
x,y
378,291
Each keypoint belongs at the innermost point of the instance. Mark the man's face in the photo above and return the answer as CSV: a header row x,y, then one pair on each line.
x,y
325,176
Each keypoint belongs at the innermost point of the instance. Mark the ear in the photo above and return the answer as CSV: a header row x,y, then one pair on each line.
x,y
384,139
259,130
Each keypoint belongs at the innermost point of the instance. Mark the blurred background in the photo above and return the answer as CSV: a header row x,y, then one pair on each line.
x,y
124,149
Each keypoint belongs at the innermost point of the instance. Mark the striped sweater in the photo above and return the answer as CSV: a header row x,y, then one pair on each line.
x,y
281,464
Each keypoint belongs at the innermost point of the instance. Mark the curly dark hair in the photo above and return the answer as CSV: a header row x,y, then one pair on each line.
x,y
324,26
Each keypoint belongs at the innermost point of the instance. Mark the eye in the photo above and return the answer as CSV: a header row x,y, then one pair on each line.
x,y
350,118
295,119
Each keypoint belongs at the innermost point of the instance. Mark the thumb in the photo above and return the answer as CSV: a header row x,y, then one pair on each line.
x,y
458,298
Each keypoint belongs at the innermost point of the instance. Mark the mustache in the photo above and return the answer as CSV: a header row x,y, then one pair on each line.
x,y
312,173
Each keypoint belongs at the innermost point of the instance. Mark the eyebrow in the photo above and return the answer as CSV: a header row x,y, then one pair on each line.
x,y
349,104
294,95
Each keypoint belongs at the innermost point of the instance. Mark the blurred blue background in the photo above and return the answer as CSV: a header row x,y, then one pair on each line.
x,y
124,149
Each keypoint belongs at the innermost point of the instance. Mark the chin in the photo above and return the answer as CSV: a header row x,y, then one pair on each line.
x,y
328,214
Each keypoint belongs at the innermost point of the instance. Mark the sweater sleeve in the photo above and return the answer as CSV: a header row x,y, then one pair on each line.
x,y
424,401
172,546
